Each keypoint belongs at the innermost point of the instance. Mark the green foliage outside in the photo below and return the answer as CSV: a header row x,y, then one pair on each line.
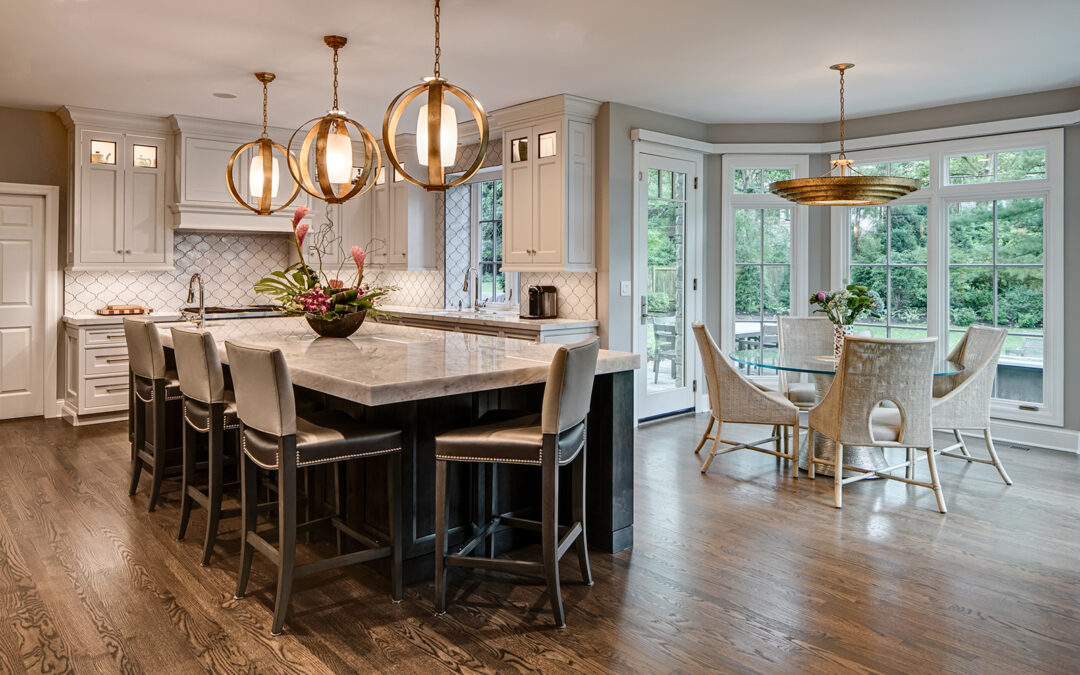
x,y
762,257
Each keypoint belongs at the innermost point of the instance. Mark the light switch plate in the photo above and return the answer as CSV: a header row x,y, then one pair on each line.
x,y
625,289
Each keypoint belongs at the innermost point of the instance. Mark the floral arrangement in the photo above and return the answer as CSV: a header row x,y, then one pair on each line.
x,y
843,306
304,290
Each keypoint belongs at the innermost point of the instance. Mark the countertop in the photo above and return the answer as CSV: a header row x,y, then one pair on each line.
x,y
384,363
489,318
92,319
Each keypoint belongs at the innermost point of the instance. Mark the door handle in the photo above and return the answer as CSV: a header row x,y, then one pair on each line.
x,y
644,309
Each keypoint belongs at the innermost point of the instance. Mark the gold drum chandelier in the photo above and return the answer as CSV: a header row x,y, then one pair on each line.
x,y
436,128
264,173
849,188
335,179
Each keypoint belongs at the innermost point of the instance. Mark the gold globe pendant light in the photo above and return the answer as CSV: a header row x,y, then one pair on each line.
x,y
849,188
334,180
264,173
436,128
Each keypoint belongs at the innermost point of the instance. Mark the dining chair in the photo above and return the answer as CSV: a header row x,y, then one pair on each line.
x,y
210,411
550,440
873,371
274,437
736,399
802,339
155,411
962,401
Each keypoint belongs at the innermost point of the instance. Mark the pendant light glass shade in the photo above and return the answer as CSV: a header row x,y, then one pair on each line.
x,y
849,187
255,176
325,169
436,128
448,138
264,174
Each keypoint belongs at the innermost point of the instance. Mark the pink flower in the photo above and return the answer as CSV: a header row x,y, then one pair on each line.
x,y
821,295
337,283
298,215
301,232
316,300
358,256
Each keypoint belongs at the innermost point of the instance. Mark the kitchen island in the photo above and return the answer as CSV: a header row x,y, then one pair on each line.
x,y
428,381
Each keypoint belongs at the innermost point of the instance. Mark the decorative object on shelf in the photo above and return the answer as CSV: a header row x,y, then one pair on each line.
x,y
843,306
265,173
329,140
332,307
123,310
436,128
846,189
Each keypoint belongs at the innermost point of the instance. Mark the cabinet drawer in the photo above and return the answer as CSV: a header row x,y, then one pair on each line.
x,y
105,360
104,393
113,335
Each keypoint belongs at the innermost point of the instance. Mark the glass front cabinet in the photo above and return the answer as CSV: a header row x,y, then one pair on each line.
x,y
117,218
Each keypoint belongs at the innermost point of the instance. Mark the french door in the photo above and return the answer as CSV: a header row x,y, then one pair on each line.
x,y
667,233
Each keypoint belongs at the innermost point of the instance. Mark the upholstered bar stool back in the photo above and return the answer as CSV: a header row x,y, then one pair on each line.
x,y
210,411
551,439
274,437
153,411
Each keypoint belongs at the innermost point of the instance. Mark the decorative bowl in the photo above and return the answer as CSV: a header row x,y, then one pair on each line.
x,y
337,328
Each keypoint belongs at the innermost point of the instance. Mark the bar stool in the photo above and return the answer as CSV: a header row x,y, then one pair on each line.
x,y
155,404
210,409
550,440
274,437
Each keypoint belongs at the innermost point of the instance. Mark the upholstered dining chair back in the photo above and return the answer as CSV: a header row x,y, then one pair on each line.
x,y
263,388
732,397
198,365
805,337
568,392
146,356
872,371
966,395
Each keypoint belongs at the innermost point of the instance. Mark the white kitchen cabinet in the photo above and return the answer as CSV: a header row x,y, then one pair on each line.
x,y
96,374
549,185
119,175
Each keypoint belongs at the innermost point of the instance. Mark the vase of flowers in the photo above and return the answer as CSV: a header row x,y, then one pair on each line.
x,y
843,307
331,307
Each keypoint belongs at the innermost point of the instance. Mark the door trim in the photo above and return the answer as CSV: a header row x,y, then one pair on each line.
x,y
695,306
54,286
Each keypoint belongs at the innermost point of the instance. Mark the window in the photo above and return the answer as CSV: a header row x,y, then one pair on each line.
x,y
980,243
763,251
488,238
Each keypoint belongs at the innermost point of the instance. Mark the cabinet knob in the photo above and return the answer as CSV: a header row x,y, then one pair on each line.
x,y
119,251
128,251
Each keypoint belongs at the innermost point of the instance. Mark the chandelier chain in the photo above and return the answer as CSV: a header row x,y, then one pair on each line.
x,y
335,77
438,49
842,155
264,134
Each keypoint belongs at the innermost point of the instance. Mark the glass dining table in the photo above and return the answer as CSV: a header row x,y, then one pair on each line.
x,y
819,370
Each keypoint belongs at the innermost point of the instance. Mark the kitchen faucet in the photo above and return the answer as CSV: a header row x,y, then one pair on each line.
x,y
202,299
474,297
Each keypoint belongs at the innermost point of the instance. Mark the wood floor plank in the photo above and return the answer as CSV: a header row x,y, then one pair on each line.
x,y
744,569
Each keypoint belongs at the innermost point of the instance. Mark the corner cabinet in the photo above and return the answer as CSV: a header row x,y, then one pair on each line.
x,y
394,220
549,185
119,172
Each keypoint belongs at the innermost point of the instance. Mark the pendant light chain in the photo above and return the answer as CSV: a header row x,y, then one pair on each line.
x,y
438,49
335,77
264,134
842,154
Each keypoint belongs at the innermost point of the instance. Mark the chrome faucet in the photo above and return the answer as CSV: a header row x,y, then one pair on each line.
x,y
202,298
474,297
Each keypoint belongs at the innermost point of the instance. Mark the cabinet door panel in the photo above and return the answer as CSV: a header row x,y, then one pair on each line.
x,y
517,213
548,226
145,234
399,223
380,226
101,225
579,194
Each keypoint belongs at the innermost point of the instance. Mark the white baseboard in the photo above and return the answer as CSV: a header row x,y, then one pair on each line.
x,y
1032,435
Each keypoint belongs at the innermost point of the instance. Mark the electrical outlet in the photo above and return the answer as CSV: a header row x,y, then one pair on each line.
x,y
625,289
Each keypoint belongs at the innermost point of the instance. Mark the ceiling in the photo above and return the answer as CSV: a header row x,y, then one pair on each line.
x,y
706,60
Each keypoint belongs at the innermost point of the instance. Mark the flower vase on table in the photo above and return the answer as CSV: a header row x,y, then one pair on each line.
x,y
331,307
843,307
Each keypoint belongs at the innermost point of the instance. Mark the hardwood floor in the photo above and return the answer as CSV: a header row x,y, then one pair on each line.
x,y
742,570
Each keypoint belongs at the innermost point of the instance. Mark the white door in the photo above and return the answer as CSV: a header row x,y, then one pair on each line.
x,y
22,305
666,254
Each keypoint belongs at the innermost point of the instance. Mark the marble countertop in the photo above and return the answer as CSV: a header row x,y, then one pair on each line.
x,y
489,318
92,319
385,363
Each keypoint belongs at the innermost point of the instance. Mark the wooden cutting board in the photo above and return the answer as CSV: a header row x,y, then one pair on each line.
x,y
118,310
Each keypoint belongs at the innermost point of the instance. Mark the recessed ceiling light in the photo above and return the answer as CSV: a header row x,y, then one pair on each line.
x,y
224,94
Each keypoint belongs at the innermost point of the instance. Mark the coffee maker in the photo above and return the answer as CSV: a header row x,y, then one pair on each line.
x,y
540,302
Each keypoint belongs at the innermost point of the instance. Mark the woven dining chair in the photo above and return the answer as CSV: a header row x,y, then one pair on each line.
x,y
962,401
734,398
802,338
873,371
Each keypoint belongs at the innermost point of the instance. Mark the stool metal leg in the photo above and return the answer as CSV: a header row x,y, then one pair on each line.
x,y
440,536
393,470
216,441
248,515
579,516
159,444
286,536
549,519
